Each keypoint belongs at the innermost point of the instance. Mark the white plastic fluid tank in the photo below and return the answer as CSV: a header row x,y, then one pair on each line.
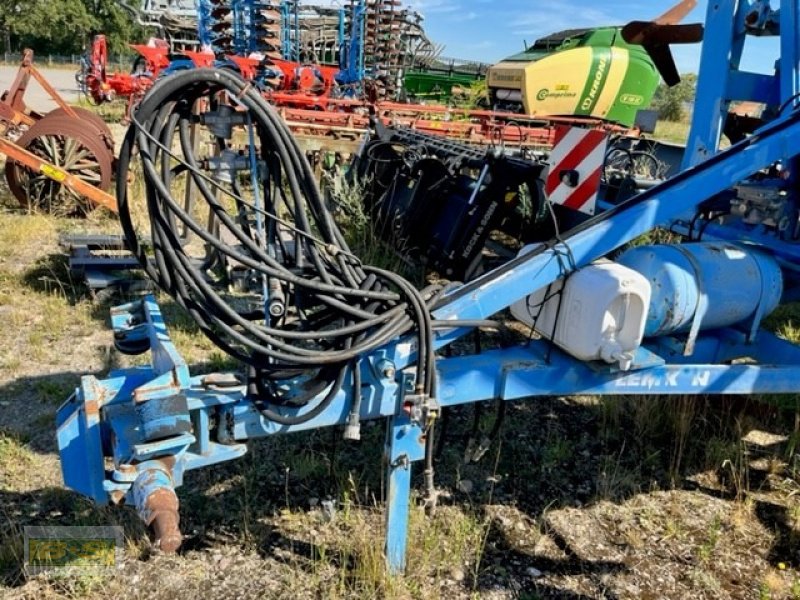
x,y
602,316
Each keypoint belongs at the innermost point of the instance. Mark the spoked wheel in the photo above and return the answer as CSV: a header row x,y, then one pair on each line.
x,y
78,147
617,162
645,165
87,117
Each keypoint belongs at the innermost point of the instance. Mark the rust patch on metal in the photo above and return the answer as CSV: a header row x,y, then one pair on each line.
x,y
168,462
164,519
140,395
92,408
126,469
223,380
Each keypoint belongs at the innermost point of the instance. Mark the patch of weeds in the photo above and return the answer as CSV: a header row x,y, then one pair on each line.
x,y
11,553
219,362
672,131
192,344
363,553
557,452
362,231
646,415
77,585
774,585
736,474
793,518
705,580
347,554
719,450
673,528
177,318
682,416
341,556
110,112
615,480
17,461
45,421
21,235
706,549
193,347
742,514
248,503
50,275
764,592
12,363
785,321
449,540
309,464
38,344
37,325
638,420
55,391
612,413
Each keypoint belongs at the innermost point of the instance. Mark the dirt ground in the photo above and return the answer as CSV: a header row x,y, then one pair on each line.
x,y
577,497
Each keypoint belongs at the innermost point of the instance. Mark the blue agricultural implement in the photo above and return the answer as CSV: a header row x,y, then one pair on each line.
x,y
325,340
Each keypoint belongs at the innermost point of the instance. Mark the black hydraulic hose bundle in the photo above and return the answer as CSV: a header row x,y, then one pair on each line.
x,y
342,310
322,312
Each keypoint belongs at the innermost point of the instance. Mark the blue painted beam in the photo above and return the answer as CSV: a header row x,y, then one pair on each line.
x,y
711,101
523,373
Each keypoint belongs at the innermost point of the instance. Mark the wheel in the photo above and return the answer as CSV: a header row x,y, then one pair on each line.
x,y
87,117
646,166
70,145
617,161
132,347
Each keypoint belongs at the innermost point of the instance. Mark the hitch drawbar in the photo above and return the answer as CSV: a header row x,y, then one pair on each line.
x,y
128,439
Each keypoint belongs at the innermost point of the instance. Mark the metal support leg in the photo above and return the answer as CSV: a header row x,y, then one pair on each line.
x,y
405,444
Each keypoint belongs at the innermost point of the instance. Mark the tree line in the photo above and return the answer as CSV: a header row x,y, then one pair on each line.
x,y
671,102
65,27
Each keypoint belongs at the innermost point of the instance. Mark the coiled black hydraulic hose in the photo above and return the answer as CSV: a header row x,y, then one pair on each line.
x,y
340,309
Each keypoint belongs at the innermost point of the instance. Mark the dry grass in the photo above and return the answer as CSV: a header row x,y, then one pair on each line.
x,y
16,459
111,112
672,131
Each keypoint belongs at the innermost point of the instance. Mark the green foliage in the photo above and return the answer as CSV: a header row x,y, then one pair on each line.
x,y
670,101
65,27
473,97
118,24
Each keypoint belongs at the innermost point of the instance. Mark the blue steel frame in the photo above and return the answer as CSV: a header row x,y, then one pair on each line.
x,y
289,42
351,47
140,417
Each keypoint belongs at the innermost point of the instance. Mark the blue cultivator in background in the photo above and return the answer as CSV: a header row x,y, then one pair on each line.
x,y
325,340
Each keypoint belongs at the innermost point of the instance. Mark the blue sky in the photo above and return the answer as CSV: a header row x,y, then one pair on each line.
x,y
488,30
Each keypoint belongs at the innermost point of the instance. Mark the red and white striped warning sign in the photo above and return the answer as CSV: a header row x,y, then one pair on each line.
x,y
576,165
